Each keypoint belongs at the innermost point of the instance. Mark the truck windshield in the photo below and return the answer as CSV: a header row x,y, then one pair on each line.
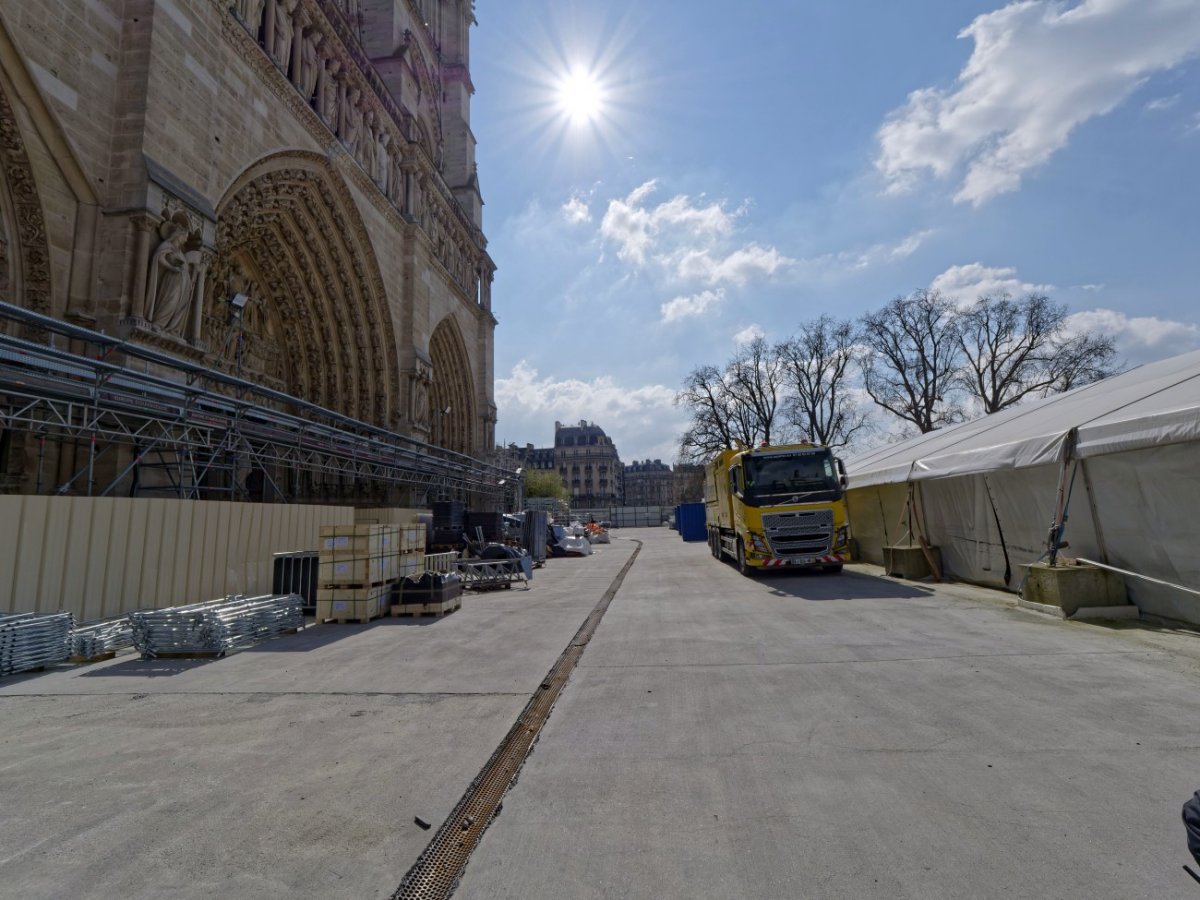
x,y
802,477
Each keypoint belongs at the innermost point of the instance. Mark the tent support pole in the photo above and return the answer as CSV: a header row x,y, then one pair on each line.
x,y
1054,538
1087,486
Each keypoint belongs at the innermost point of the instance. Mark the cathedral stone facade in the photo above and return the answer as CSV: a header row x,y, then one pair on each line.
x,y
307,162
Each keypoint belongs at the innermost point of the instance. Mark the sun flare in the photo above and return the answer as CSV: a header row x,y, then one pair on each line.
x,y
580,96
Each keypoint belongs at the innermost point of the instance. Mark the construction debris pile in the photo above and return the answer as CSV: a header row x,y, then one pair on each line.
x,y
217,626
30,641
97,639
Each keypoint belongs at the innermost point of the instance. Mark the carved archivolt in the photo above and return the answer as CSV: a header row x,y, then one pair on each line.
x,y
26,257
323,75
452,390
290,240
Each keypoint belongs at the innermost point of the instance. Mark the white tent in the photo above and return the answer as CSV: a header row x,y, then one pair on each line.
x,y
1130,446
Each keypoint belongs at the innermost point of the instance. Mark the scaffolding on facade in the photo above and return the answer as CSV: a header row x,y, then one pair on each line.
x,y
195,426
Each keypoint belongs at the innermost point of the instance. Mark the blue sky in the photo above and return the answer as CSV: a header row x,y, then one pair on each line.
x,y
750,166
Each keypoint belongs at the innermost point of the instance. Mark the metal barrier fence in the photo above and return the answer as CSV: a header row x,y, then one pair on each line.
x,y
440,562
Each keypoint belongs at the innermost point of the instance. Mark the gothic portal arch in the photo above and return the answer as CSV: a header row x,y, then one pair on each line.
x,y
24,253
316,324
452,391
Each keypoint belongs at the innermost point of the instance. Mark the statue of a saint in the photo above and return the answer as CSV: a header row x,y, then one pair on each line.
x,y
168,285
310,64
250,12
282,46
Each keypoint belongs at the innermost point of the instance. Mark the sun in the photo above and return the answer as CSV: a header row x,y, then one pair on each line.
x,y
580,96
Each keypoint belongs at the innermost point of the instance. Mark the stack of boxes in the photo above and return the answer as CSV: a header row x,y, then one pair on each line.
x,y
412,550
357,566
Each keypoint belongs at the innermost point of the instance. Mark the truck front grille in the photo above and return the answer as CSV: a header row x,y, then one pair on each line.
x,y
802,533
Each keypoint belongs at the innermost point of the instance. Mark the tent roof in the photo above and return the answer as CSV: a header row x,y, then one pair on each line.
x,y
1148,406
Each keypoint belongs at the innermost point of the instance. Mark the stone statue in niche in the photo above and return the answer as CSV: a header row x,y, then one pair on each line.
x,y
250,13
383,162
367,146
421,384
171,280
281,41
350,120
310,63
327,91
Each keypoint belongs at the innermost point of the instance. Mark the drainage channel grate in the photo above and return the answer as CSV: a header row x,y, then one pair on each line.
x,y
438,869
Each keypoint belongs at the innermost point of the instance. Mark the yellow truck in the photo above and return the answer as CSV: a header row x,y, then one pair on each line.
x,y
768,507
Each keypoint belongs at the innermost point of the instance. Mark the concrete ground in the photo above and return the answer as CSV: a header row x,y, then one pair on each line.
x,y
799,735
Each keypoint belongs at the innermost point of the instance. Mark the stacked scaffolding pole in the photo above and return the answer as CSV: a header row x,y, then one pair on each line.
x,y
200,413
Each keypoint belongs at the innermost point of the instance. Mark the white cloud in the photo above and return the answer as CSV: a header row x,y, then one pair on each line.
x,y
1039,69
576,211
1091,288
636,229
737,267
689,307
965,284
878,253
685,238
1139,339
1160,103
751,332
572,398
643,421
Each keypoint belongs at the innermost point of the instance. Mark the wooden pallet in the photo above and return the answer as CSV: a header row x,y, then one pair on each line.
x,y
348,620
99,657
427,609
356,585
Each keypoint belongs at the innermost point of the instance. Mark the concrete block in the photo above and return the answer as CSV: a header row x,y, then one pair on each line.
x,y
909,562
1073,587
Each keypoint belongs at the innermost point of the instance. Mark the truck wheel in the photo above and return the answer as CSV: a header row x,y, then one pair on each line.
x,y
714,543
741,560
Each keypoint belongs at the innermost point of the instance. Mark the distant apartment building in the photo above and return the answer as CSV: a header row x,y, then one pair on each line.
x,y
648,483
531,457
589,464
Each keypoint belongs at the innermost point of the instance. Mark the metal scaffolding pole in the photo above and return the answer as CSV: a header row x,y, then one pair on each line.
x,y
199,413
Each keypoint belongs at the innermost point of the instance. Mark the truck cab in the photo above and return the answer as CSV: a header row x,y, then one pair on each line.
x,y
771,507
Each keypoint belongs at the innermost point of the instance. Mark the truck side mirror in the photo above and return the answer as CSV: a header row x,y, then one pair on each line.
x,y
842,478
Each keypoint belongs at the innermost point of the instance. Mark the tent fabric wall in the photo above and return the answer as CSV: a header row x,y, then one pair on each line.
x,y
875,513
101,556
1148,502
1133,442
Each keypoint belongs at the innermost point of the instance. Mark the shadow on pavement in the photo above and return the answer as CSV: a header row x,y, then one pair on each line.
x,y
817,585
148,668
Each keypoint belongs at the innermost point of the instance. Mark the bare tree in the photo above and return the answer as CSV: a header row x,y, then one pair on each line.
x,y
912,362
712,426
755,378
736,405
1015,348
818,363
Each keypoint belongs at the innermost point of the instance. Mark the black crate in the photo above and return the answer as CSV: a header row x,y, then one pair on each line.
x,y
295,572
432,587
449,515
492,524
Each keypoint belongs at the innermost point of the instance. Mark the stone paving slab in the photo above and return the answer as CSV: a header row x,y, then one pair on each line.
x,y
792,736
850,736
294,769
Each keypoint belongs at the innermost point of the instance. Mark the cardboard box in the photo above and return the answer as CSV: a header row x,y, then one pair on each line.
x,y
353,541
353,603
363,570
